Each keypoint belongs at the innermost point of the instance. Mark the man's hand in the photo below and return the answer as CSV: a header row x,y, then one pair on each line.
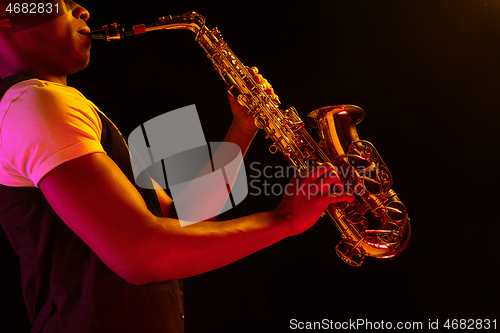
x,y
241,115
308,194
266,86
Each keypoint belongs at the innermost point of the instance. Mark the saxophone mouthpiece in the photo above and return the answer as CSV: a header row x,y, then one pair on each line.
x,y
97,34
112,32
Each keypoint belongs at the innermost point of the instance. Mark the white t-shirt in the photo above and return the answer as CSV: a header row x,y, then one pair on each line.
x,y
42,125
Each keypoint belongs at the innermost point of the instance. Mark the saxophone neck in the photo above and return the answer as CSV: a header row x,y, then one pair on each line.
x,y
189,21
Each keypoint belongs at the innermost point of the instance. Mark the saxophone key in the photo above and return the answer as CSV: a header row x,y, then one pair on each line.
x,y
262,123
273,149
243,100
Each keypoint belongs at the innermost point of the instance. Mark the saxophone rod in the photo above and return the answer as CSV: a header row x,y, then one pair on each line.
x,y
190,21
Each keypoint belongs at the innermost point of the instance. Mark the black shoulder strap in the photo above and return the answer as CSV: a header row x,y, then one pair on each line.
x,y
9,81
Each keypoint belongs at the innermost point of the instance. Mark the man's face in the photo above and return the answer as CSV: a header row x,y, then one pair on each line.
x,y
51,34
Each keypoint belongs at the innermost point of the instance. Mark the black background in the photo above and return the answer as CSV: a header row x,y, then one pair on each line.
x,y
426,72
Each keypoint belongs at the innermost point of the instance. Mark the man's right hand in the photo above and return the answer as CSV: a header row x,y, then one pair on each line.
x,y
307,196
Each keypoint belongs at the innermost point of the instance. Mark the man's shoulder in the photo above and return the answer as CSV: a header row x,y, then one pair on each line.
x,y
35,97
34,89
37,105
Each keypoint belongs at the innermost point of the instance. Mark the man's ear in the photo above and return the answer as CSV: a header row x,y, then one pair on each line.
x,y
4,17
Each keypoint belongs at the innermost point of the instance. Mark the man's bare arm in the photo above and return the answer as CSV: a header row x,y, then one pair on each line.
x,y
96,200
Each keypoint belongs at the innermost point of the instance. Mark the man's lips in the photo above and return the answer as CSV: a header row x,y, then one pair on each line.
x,y
84,31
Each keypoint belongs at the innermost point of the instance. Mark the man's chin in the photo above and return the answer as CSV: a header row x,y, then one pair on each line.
x,y
83,65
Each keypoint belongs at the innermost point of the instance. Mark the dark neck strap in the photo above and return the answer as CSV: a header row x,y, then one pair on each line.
x,y
9,81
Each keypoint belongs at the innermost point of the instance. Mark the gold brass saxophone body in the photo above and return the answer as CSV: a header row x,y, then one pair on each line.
x,y
376,224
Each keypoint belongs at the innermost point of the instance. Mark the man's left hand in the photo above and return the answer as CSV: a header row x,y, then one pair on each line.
x,y
241,113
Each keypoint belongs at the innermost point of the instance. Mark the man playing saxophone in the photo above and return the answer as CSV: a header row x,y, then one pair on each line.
x,y
95,255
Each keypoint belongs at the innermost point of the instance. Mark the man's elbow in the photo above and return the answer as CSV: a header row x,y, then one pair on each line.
x,y
135,271
143,271
135,278
139,278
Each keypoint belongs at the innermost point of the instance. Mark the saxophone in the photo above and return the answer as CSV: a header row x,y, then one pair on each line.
x,y
376,224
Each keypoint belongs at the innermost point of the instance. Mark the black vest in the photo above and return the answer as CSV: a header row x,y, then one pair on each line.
x,y
66,287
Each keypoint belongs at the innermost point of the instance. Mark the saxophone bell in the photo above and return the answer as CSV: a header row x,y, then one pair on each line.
x,y
377,223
